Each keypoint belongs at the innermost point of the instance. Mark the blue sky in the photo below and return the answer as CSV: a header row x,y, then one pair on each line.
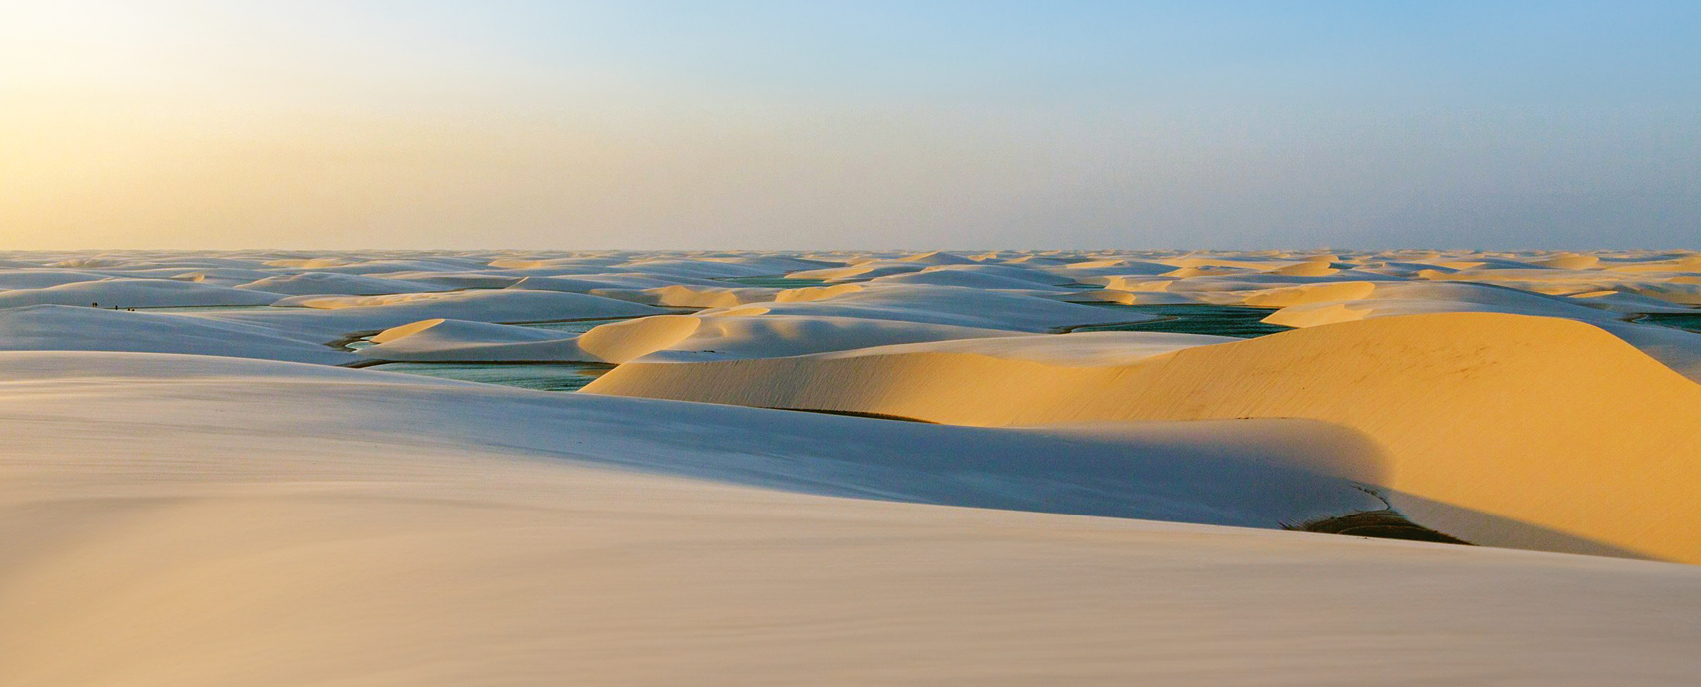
x,y
856,124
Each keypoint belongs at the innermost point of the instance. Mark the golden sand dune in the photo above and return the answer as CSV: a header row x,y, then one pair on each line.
x,y
1570,438
1312,305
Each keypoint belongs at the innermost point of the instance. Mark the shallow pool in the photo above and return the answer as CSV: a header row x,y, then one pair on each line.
x,y
1678,320
539,376
573,326
1218,320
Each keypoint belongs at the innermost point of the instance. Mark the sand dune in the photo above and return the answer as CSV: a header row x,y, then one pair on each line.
x,y
68,328
1320,304
603,282
326,283
133,293
206,498
860,271
659,337
1528,406
225,545
979,277
1353,301
41,278
333,317
952,305
772,336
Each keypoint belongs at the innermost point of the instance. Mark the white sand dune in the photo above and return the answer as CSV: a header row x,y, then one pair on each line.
x,y
206,538
1111,267
41,278
600,281
682,296
1083,349
772,336
1620,302
216,276
706,269
1376,299
860,271
183,502
133,293
393,266
440,340
1664,286
1043,273
987,277
1388,303
1672,292
658,337
332,317
452,281
70,328
1528,406
950,305
938,257
328,283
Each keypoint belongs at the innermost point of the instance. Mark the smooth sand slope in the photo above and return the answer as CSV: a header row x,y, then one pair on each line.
x,y
658,337
184,521
1510,430
1098,508
69,328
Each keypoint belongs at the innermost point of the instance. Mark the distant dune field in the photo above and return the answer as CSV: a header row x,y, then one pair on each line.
x,y
1007,467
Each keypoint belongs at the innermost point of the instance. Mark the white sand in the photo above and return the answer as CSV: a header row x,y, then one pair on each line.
x,y
134,293
1529,408
1098,508
180,521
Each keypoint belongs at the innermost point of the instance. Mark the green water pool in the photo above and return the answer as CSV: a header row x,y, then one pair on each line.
x,y
539,376
1678,320
1219,320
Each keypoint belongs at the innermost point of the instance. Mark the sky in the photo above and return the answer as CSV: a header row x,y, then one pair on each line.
x,y
846,125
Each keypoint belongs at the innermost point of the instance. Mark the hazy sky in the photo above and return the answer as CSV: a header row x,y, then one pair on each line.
x,y
861,124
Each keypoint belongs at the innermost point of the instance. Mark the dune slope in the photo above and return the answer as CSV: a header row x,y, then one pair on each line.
x,y
188,521
1569,437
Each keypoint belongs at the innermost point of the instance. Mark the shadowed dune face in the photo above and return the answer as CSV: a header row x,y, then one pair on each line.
x,y
1541,420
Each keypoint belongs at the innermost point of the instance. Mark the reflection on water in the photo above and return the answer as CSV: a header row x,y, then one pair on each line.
x,y
560,376
1680,320
564,327
539,376
573,326
1219,320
